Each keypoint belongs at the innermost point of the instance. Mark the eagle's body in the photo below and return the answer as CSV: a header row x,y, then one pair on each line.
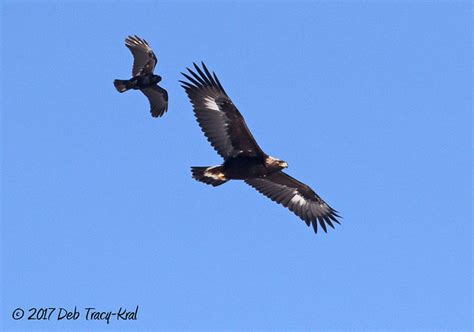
x,y
240,167
226,130
144,63
244,167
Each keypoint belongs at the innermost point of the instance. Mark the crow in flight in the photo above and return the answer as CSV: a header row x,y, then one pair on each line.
x,y
226,130
144,62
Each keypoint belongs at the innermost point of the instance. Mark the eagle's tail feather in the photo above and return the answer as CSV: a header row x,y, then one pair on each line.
x,y
122,85
210,175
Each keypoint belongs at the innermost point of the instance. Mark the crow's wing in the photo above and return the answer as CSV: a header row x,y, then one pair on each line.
x,y
158,98
144,60
298,197
219,119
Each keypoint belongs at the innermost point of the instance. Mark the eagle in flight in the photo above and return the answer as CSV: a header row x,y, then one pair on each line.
x,y
226,130
144,62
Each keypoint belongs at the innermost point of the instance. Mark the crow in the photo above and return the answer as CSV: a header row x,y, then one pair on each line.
x,y
226,130
144,62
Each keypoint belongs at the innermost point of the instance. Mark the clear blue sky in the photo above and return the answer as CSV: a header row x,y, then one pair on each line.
x,y
369,102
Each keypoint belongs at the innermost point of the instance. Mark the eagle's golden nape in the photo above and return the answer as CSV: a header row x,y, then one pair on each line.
x,y
274,162
227,132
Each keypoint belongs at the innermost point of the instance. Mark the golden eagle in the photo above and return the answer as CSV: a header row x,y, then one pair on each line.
x,y
144,62
226,130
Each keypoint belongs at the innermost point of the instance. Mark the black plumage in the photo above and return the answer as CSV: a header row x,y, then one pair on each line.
x,y
144,63
226,130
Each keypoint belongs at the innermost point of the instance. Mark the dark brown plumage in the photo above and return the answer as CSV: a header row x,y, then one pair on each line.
x,y
226,130
144,63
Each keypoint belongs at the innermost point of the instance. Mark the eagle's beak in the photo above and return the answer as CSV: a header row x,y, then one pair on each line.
x,y
284,164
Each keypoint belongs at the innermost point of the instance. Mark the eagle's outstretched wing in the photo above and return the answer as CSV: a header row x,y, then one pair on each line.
x,y
158,98
219,119
298,197
144,60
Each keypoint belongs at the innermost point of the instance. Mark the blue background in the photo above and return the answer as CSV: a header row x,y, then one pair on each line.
x,y
369,102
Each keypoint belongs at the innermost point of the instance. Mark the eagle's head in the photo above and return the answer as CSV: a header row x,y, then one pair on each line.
x,y
156,79
276,164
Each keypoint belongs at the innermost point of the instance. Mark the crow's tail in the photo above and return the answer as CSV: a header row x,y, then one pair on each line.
x,y
210,175
123,85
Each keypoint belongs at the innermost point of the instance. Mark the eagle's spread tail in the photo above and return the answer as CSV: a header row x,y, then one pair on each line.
x,y
210,175
123,85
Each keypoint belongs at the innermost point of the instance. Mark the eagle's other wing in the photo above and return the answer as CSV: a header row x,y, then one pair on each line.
x,y
158,98
219,119
298,197
144,60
